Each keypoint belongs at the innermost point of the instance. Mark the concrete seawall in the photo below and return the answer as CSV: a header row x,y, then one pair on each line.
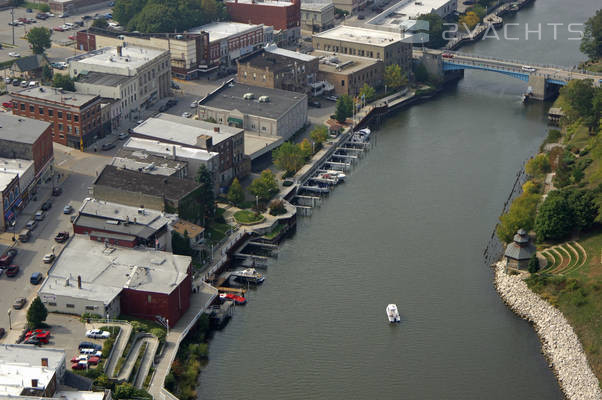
x,y
560,344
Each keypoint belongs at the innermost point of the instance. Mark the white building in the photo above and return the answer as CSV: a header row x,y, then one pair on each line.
x,y
24,168
28,370
136,76
411,10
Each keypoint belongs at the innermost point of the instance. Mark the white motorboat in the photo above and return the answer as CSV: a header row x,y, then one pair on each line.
x,y
363,135
248,275
392,313
341,176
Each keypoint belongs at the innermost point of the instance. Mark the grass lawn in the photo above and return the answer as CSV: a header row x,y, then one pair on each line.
x,y
248,217
274,232
579,297
218,231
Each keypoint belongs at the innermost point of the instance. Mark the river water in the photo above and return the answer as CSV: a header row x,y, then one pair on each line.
x,y
408,227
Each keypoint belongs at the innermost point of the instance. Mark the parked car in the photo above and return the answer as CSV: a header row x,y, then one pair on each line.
x,y
85,17
107,146
186,114
19,303
12,270
14,54
79,357
48,258
80,365
122,136
31,224
61,237
35,332
41,16
7,104
89,345
8,80
40,215
91,352
94,360
171,102
64,15
98,334
72,37
29,10
332,98
6,259
524,68
58,29
24,235
193,104
57,191
36,278
361,16
47,205
315,103
447,55
24,84
34,340
68,209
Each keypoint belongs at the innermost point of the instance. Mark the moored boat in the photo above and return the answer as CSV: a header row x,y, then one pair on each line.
x,y
248,275
392,313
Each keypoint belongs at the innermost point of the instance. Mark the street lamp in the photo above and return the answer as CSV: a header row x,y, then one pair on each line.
x,y
257,202
10,324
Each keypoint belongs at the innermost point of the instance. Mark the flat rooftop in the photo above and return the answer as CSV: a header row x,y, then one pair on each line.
x,y
15,165
20,363
108,270
102,79
273,49
360,35
148,167
184,131
230,97
169,187
342,63
272,3
5,179
412,9
141,148
132,57
222,30
56,95
318,6
21,129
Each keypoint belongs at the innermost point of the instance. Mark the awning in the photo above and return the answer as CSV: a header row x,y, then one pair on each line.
x,y
233,120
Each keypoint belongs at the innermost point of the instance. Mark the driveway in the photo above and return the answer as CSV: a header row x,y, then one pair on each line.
x,y
119,346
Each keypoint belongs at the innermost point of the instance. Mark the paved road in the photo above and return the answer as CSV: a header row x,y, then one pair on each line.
x,y
147,361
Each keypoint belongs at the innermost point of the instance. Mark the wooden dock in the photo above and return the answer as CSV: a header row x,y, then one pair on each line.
x,y
231,289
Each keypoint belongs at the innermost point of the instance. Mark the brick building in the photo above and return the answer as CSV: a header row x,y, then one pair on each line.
x,y
228,41
282,15
27,139
228,141
75,118
317,17
278,68
348,74
143,283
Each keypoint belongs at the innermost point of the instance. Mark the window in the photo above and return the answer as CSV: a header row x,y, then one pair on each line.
x,y
59,114
70,305
76,130
50,112
22,106
149,299
41,111
31,108
90,307
69,129
60,127
68,116
342,83
75,117
53,304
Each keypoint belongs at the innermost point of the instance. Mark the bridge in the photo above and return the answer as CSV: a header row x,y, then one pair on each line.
x,y
543,79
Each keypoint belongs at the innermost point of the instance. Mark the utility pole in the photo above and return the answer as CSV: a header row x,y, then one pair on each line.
x,y
12,16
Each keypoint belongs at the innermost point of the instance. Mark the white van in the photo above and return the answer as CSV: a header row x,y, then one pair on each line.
x,y
113,24
33,84
528,68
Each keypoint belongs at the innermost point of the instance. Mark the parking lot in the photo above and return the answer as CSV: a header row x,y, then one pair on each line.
x,y
62,45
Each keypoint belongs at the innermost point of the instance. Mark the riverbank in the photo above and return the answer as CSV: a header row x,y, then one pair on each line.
x,y
560,344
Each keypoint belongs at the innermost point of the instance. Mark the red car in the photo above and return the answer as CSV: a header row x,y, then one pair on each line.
x,y
12,270
72,37
7,104
80,365
58,29
239,300
37,332
93,360
447,55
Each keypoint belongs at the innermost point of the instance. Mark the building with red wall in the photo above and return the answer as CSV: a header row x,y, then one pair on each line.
x,y
282,15
97,278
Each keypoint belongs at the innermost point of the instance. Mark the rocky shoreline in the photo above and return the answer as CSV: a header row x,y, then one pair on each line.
x,y
560,344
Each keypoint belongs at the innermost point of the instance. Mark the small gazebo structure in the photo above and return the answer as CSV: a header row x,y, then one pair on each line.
x,y
519,251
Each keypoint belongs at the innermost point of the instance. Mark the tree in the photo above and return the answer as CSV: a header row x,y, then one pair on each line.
x,y
520,215
125,10
124,391
205,195
394,77
531,187
469,20
367,92
235,193
319,134
538,165
344,108
39,39
288,157
181,244
100,23
554,220
580,96
583,208
306,149
63,81
591,42
46,73
43,7
37,313
533,265
265,186
435,30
